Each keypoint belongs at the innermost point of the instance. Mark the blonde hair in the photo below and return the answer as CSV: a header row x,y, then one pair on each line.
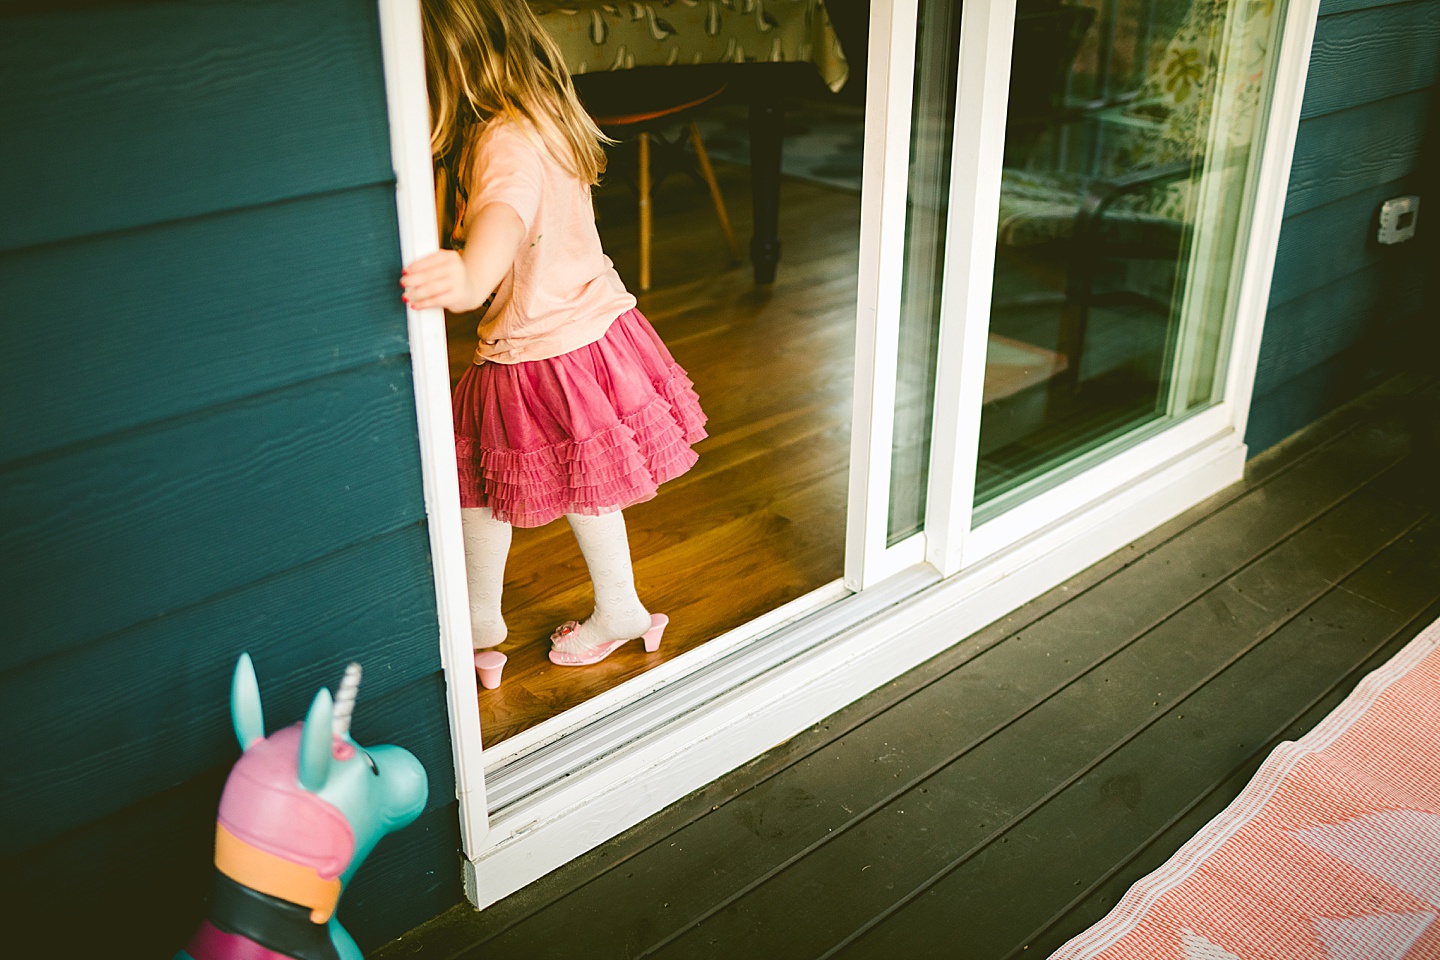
x,y
489,58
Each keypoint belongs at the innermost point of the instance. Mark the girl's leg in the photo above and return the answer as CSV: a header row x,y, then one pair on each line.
x,y
619,614
487,542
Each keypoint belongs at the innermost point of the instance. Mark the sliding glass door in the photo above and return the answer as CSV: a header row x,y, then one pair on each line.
x,y
1059,283
1067,218
1127,150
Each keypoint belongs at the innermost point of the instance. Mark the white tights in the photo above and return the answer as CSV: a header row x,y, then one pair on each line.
x,y
487,543
618,613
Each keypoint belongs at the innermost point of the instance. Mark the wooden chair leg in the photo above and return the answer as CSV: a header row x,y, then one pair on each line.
x,y
708,173
645,224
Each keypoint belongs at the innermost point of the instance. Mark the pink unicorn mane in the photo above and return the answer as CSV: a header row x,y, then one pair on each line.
x,y
264,805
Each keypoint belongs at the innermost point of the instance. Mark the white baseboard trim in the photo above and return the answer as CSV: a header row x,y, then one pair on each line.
x,y
579,812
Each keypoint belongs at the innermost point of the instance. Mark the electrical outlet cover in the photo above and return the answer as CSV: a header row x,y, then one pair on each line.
x,y
1397,219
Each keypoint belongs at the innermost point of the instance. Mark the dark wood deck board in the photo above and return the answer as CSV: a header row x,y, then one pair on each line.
x,y
975,801
781,818
1139,787
761,831
1094,901
1026,730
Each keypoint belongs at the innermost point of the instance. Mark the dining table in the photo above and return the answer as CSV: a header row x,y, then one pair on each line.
x,y
759,49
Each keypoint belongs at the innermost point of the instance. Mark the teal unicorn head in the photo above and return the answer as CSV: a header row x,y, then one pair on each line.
x,y
301,810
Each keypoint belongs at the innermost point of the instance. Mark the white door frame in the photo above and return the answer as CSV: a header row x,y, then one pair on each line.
x,y
904,613
408,107
954,542
983,92
886,178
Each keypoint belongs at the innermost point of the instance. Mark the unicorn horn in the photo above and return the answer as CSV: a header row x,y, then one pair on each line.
x,y
345,701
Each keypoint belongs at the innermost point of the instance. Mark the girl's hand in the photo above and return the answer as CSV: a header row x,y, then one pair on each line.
x,y
461,284
441,280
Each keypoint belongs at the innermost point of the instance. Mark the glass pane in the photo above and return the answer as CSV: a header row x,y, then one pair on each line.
x,y
1132,135
931,129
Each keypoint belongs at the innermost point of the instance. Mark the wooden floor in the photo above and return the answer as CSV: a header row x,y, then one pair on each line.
x,y
760,520
1000,798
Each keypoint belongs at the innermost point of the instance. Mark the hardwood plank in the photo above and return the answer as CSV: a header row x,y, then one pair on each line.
x,y
894,846
1310,329
1372,54
1137,788
817,219
763,510
735,532
721,854
171,319
158,519
1340,153
780,553
141,113
89,756
1168,770
1331,241
1389,407
796,447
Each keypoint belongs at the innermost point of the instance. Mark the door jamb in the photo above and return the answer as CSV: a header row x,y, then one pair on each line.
x,y
408,107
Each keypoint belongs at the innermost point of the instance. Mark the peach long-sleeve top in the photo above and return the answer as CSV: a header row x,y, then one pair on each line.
x,y
563,292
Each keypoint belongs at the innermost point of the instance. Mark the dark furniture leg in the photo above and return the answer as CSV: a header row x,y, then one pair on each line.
x,y
767,118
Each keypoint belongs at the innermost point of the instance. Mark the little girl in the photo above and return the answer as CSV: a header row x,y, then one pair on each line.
x,y
573,406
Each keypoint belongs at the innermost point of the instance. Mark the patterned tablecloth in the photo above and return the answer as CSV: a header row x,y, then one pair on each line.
x,y
596,35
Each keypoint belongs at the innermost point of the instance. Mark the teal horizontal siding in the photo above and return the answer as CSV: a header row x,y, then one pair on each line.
x,y
1370,54
1341,153
1328,7
406,715
422,861
368,603
133,327
131,114
147,522
210,447
1330,241
1344,310
1306,397
144,874
1339,315
399,714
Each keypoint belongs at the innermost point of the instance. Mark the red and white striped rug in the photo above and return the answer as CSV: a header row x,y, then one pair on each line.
x,y
1331,852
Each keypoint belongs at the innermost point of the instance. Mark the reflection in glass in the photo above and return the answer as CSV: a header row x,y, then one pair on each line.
x,y
931,129
1132,132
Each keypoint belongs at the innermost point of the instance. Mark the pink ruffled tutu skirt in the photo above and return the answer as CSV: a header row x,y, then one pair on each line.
x,y
591,431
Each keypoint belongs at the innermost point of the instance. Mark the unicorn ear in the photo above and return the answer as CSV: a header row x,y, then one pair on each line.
x,y
315,743
245,712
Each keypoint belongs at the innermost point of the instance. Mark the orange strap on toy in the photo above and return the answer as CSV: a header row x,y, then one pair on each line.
x,y
254,868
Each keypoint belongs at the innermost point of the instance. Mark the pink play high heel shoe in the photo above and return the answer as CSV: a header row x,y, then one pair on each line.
x,y
489,664
600,651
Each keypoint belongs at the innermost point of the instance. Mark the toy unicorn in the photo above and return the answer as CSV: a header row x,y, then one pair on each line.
x,y
301,810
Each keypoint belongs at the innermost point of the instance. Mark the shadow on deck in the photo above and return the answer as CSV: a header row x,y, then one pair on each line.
x,y
1000,798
